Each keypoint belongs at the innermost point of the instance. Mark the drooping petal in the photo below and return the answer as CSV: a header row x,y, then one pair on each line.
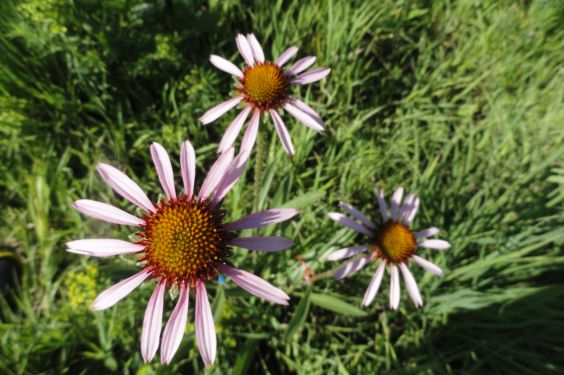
x,y
313,75
301,65
255,285
152,323
260,219
303,117
347,252
382,204
411,285
164,169
103,247
282,132
427,232
352,266
307,109
234,172
226,65
215,174
205,327
267,244
106,212
286,55
255,46
343,220
413,212
357,214
374,284
114,294
175,327
434,244
396,201
406,207
245,49
233,130
251,134
188,167
428,266
219,110
125,186
394,287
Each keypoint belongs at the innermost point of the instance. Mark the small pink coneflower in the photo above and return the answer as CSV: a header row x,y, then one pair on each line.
x,y
265,87
391,243
182,242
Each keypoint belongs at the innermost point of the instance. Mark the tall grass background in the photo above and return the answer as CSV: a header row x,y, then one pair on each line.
x,y
461,102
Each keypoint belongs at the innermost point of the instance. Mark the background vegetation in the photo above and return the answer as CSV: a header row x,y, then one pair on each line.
x,y
459,101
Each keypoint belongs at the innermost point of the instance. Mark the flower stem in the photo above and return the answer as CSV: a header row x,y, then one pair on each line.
x,y
259,159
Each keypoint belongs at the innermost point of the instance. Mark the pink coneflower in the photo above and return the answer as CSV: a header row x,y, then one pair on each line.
x,y
182,242
390,243
264,87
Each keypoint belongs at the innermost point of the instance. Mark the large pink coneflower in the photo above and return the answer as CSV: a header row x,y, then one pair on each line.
x,y
390,243
182,242
265,87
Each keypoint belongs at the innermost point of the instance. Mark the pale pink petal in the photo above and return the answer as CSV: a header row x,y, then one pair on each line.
x,y
285,56
307,109
434,244
205,327
106,212
233,130
152,323
251,134
260,219
103,247
394,288
382,204
396,201
303,117
188,167
175,327
267,244
245,49
347,252
406,207
413,212
226,65
255,46
114,294
215,174
164,169
219,110
427,232
352,266
301,65
282,132
234,172
343,220
357,214
428,265
255,285
313,75
411,285
374,284
125,186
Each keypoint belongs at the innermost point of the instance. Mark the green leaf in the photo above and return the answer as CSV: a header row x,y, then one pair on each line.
x,y
337,305
300,315
245,357
305,200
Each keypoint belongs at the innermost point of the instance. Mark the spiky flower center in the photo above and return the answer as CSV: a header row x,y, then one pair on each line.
x,y
264,86
394,241
184,240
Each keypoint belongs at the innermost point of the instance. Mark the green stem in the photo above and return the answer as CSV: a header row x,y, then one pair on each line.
x,y
258,168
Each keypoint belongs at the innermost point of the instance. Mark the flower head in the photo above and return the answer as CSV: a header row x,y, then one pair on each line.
x,y
182,242
265,87
391,243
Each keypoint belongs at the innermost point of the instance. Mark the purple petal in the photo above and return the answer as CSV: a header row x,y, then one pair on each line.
x,y
215,175
357,214
106,212
394,288
164,169
396,201
382,204
255,46
245,49
427,232
303,117
411,285
411,215
352,267
267,244
205,328
152,323
219,110
313,75
406,207
307,109
125,186
175,327
434,244
226,65
301,65
428,266
347,252
343,220
233,130
251,134
103,247
234,172
282,132
285,56
260,219
374,284
114,294
255,285
188,167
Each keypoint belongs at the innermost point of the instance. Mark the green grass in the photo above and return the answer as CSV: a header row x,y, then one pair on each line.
x,y
461,102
